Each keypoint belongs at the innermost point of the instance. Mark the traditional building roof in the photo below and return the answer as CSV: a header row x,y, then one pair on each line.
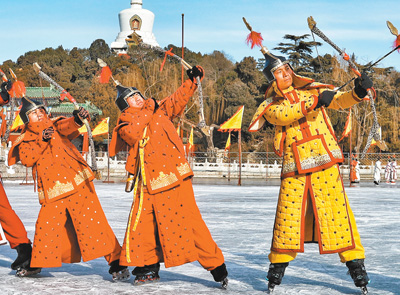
x,y
49,96
40,92
66,108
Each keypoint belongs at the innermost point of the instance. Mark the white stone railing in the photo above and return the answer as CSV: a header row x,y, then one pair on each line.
x,y
202,167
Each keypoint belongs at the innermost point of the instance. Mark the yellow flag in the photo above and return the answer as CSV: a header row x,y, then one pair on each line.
x,y
102,128
82,129
179,130
373,141
191,139
347,127
234,123
17,122
228,142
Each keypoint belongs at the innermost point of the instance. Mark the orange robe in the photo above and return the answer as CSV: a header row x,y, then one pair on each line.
x,y
71,222
14,229
353,171
168,227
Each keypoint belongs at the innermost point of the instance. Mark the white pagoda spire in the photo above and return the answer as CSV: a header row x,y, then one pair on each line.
x,y
134,19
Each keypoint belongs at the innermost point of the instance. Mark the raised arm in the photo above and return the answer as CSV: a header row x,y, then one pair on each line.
x,y
175,103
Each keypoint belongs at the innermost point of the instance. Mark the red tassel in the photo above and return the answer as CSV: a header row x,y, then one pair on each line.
x,y
17,89
66,95
255,39
397,43
105,75
169,52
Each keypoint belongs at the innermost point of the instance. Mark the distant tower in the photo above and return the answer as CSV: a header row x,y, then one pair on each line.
x,y
134,19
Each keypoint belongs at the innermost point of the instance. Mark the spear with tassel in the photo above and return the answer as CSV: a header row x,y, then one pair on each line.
x,y
255,39
137,40
17,90
396,46
374,134
106,73
66,94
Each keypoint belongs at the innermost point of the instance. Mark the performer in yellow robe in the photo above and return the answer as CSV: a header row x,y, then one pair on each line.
x,y
312,205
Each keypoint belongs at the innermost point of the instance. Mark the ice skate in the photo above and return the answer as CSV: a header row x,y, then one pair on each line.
x,y
149,277
23,260
224,284
275,274
28,271
24,269
119,272
220,274
121,276
358,274
24,256
146,274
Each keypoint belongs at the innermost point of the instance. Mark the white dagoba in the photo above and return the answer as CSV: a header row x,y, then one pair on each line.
x,y
134,19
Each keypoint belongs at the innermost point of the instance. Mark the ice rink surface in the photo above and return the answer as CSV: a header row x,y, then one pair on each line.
x,y
240,219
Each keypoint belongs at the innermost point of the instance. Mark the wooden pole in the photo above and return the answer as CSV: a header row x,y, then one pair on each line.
x,y
183,46
266,173
240,156
229,165
108,161
350,150
26,179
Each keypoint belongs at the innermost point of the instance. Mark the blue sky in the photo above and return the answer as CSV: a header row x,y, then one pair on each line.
x,y
357,26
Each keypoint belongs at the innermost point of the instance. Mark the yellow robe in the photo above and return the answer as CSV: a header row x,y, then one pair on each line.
x,y
312,205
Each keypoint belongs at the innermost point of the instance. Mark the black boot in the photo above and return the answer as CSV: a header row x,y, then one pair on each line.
x,y
146,274
220,274
23,262
275,274
118,272
24,256
357,272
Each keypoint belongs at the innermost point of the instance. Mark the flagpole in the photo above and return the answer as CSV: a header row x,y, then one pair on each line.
x,y
229,156
266,173
229,165
26,179
350,151
183,50
240,156
108,160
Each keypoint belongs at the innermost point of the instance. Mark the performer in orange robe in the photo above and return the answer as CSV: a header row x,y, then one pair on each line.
x,y
354,171
14,230
165,224
71,224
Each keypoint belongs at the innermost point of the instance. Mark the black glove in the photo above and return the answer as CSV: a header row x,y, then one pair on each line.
x,y
361,84
47,134
155,104
5,86
194,72
325,98
79,114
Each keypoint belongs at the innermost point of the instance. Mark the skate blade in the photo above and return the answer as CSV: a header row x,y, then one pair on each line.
x,y
224,284
143,282
364,290
27,273
121,276
271,288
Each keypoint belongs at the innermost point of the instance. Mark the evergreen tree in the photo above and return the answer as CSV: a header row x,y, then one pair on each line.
x,y
299,51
